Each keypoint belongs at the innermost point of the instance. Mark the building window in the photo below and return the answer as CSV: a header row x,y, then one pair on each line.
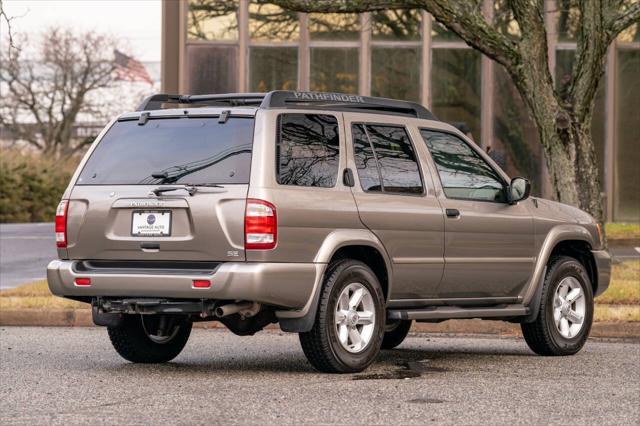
x,y
212,68
515,146
627,121
565,59
273,68
212,20
395,73
396,25
440,33
568,20
334,70
455,85
271,23
334,26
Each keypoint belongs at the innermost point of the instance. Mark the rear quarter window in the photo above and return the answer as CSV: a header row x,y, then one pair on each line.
x,y
307,150
192,150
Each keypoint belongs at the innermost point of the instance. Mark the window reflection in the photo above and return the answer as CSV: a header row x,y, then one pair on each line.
x,y
463,173
503,19
568,20
268,22
629,35
308,150
395,73
207,60
515,147
334,70
385,152
396,25
273,68
627,171
455,79
441,33
365,160
565,59
212,20
334,26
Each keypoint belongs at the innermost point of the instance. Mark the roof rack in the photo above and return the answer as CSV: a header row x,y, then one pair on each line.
x,y
291,99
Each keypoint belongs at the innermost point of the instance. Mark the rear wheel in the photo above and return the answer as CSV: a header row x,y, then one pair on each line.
x,y
150,339
395,333
349,325
566,310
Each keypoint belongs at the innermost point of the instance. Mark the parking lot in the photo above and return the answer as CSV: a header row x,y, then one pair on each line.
x,y
73,376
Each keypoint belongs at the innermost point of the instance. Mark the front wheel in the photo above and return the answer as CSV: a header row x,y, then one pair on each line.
x,y
566,310
150,339
349,325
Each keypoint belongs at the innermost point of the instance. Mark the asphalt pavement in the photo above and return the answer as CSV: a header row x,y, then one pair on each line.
x,y
26,249
73,376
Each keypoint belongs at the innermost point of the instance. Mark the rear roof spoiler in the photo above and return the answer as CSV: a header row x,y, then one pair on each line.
x,y
291,99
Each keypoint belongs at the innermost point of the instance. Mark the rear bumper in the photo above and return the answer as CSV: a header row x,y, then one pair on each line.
x,y
603,270
285,285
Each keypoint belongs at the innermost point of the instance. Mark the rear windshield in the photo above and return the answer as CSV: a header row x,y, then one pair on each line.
x,y
194,150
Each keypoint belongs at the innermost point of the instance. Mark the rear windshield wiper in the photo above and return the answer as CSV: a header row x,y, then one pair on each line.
x,y
191,188
208,185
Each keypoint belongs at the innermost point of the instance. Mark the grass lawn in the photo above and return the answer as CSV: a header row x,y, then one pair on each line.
x,y
616,231
621,302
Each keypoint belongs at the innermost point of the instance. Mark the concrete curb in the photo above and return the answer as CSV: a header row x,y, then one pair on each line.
x,y
624,242
82,318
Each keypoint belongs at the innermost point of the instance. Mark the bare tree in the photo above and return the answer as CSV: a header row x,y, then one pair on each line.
x,y
563,120
6,20
45,94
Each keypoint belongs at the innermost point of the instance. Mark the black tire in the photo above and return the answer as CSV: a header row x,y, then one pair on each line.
x,y
542,335
133,343
395,333
321,345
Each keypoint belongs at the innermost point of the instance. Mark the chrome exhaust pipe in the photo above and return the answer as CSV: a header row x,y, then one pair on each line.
x,y
246,309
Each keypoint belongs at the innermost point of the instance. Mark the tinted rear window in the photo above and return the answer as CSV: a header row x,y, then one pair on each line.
x,y
184,150
308,150
385,152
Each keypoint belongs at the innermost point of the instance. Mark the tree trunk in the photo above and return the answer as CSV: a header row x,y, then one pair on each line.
x,y
572,164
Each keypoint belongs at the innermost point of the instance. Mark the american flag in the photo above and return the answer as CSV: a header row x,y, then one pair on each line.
x,y
130,69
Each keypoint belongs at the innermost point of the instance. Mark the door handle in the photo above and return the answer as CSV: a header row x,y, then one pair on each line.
x,y
453,213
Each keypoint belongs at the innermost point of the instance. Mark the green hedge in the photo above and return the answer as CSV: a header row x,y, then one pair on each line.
x,y
31,186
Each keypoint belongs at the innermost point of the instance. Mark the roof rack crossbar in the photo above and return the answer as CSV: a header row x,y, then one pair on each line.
x,y
163,101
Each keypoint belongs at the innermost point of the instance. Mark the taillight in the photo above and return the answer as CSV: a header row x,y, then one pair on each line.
x,y
260,225
61,224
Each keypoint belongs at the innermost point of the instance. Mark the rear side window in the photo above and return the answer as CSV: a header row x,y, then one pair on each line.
x,y
386,160
308,150
193,150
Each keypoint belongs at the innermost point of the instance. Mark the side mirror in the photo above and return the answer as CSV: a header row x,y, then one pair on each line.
x,y
518,190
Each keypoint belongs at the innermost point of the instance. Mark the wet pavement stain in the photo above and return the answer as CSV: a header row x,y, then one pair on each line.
x,y
404,370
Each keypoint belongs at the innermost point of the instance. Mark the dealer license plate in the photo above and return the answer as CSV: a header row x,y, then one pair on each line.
x,y
151,223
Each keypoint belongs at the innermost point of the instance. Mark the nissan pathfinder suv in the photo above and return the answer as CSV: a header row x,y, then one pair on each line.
x,y
339,217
